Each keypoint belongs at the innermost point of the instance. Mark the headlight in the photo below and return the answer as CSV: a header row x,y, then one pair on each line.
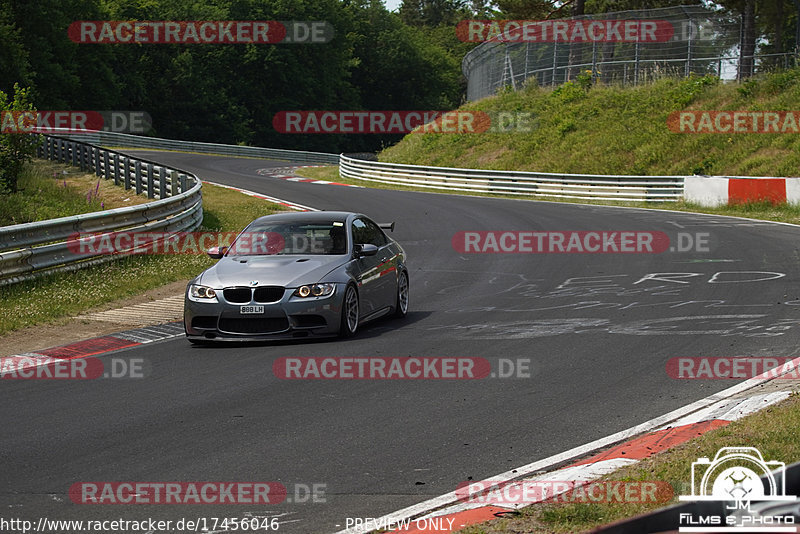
x,y
315,290
202,293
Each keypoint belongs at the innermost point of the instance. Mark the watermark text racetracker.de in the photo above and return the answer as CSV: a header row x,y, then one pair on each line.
x,y
727,368
578,242
529,491
566,31
734,122
200,32
399,368
41,367
246,243
403,122
151,525
205,492
55,122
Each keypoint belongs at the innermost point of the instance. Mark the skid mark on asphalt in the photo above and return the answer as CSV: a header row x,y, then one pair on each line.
x,y
288,173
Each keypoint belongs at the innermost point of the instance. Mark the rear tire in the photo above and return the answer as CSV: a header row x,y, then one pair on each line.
x,y
401,303
350,313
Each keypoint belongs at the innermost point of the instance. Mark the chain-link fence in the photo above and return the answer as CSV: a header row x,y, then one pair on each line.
x,y
701,41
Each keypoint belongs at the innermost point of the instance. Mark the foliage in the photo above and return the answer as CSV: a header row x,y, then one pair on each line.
x,y
615,130
15,149
229,93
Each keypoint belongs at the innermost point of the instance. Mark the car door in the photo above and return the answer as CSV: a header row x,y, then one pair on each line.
x,y
370,270
386,287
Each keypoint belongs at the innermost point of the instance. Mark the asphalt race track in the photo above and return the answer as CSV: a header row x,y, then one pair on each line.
x,y
597,330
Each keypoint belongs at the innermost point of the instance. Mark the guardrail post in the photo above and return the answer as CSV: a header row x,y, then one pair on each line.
x,y
137,176
96,161
183,183
162,183
106,167
115,167
126,175
173,182
73,154
150,192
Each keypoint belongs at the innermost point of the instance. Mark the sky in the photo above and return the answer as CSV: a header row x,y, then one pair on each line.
x,y
392,5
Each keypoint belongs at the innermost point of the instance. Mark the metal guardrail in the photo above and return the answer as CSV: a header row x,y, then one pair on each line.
x,y
139,141
33,249
537,184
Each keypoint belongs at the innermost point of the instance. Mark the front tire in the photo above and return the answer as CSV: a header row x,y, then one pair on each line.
x,y
401,303
350,313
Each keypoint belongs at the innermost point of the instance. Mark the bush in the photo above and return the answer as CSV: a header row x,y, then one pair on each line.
x,y
15,148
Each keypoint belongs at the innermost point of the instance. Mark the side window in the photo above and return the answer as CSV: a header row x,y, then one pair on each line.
x,y
367,232
360,232
376,234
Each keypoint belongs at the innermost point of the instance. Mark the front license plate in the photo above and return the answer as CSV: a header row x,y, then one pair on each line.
x,y
251,309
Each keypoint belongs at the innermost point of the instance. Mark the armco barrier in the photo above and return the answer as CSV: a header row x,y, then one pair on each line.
x,y
538,184
33,249
139,141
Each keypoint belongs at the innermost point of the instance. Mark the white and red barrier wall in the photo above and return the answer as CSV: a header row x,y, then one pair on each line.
x,y
722,190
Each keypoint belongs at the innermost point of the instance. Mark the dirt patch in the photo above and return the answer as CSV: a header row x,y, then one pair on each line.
x,y
70,330
490,157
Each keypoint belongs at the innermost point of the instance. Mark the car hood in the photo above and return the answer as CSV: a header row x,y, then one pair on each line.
x,y
286,271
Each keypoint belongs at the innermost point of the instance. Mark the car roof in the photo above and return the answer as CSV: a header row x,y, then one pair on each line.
x,y
308,216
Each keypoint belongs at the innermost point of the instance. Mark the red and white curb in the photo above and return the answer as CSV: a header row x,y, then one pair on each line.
x,y
12,365
287,173
286,203
627,447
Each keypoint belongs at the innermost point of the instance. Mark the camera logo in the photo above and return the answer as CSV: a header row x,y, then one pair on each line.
x,y
740,475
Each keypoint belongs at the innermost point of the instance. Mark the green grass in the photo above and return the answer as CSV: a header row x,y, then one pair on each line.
x,y
614,130
47,190
773,431
64,295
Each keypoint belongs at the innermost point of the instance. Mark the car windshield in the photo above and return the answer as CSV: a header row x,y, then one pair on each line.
x,y
282,238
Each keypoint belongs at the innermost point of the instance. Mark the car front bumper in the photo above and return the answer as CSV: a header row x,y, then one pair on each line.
x,y
289,318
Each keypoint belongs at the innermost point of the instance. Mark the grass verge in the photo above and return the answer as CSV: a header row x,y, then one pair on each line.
x,y
59,296
773,431
580,127
48,190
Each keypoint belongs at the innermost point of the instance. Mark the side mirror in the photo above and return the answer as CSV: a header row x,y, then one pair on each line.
x,y
367,249
217,252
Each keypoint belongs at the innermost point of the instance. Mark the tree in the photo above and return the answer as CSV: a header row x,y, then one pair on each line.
x,y
748,45
527,9
432,13
15,148
14,65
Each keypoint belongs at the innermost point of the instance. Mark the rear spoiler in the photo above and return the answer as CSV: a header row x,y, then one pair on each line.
x,y
387,226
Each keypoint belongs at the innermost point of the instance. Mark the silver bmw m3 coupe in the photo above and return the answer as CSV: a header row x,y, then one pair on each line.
x,y
294,275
